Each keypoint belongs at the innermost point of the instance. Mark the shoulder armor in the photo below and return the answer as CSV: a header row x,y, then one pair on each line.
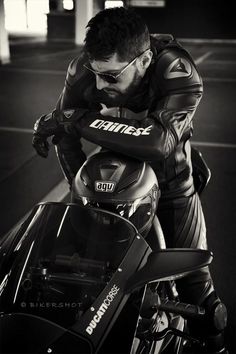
x,y
162,37
75,70
175,70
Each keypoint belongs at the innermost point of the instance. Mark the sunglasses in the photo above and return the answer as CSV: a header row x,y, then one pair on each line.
x,y
113,78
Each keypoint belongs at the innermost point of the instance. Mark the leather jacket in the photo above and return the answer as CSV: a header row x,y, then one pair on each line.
x,y
153,125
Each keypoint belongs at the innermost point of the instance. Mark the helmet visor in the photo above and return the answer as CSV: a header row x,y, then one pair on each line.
x,y
139,211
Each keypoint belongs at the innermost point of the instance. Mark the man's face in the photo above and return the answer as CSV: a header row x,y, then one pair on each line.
x,y
126,83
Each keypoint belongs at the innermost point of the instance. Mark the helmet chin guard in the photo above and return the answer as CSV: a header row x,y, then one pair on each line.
x,y
119,184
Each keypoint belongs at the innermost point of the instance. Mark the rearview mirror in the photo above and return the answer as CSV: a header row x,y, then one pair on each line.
x,y
168,264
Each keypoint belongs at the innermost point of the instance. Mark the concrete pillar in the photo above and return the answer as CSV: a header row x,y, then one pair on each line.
x,y
4,43
83,13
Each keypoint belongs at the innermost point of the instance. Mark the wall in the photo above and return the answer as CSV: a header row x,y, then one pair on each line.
x,y
61,24
192,18
212,19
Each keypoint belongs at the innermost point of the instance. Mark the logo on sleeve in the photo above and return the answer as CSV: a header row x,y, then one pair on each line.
x,y
178,68
120,128
68,113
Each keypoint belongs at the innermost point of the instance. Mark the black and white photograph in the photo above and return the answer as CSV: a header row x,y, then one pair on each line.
x,y
117,177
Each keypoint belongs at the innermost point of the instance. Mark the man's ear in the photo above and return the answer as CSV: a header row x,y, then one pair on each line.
x,y
146,59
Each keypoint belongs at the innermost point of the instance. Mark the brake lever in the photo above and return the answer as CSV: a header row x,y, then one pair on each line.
x,y
162,334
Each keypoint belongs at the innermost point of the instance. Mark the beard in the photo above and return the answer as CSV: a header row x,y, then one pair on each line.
x,y
113,97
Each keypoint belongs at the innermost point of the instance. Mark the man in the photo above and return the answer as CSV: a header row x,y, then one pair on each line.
x,y
137,94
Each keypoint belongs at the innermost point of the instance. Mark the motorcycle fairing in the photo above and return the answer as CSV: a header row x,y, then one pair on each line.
x,y
98,320
22,333
73,253
169,264
44,260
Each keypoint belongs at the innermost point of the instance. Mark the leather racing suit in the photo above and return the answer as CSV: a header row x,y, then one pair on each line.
x,y
154,125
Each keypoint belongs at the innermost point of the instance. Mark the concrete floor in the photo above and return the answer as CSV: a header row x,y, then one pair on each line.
x,y
30,86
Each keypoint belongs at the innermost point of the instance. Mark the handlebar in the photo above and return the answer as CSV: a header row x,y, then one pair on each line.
x,y
180,308
77,263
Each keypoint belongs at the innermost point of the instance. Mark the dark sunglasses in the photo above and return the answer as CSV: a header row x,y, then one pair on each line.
x,y
111,78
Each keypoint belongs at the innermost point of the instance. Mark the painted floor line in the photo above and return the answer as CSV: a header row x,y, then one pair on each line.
x,y
213,144
37,39
16,130
48,55
221,62
35,71
207,40
219,79
58,193
203,57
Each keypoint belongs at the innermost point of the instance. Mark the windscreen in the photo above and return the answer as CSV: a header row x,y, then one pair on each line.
x,y
64,259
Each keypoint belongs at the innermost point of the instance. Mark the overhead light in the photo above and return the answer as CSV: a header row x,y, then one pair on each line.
x,y
147,3
68,4
113,3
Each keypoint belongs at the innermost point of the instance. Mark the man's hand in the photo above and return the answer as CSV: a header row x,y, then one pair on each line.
x,y
57,124
54,124
46,126
41,145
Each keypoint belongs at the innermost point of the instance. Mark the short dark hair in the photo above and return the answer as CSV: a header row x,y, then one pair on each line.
x,y
116,30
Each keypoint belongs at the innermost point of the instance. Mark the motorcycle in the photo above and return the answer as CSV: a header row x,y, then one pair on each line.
x,y
78,279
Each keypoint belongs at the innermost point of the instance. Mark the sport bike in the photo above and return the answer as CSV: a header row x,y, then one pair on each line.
x,y
81,279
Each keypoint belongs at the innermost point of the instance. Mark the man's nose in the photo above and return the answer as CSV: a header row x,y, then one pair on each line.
x,y
100,83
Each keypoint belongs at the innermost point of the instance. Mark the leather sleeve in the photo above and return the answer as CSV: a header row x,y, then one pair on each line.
x,y
69,149
75,85
168,122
